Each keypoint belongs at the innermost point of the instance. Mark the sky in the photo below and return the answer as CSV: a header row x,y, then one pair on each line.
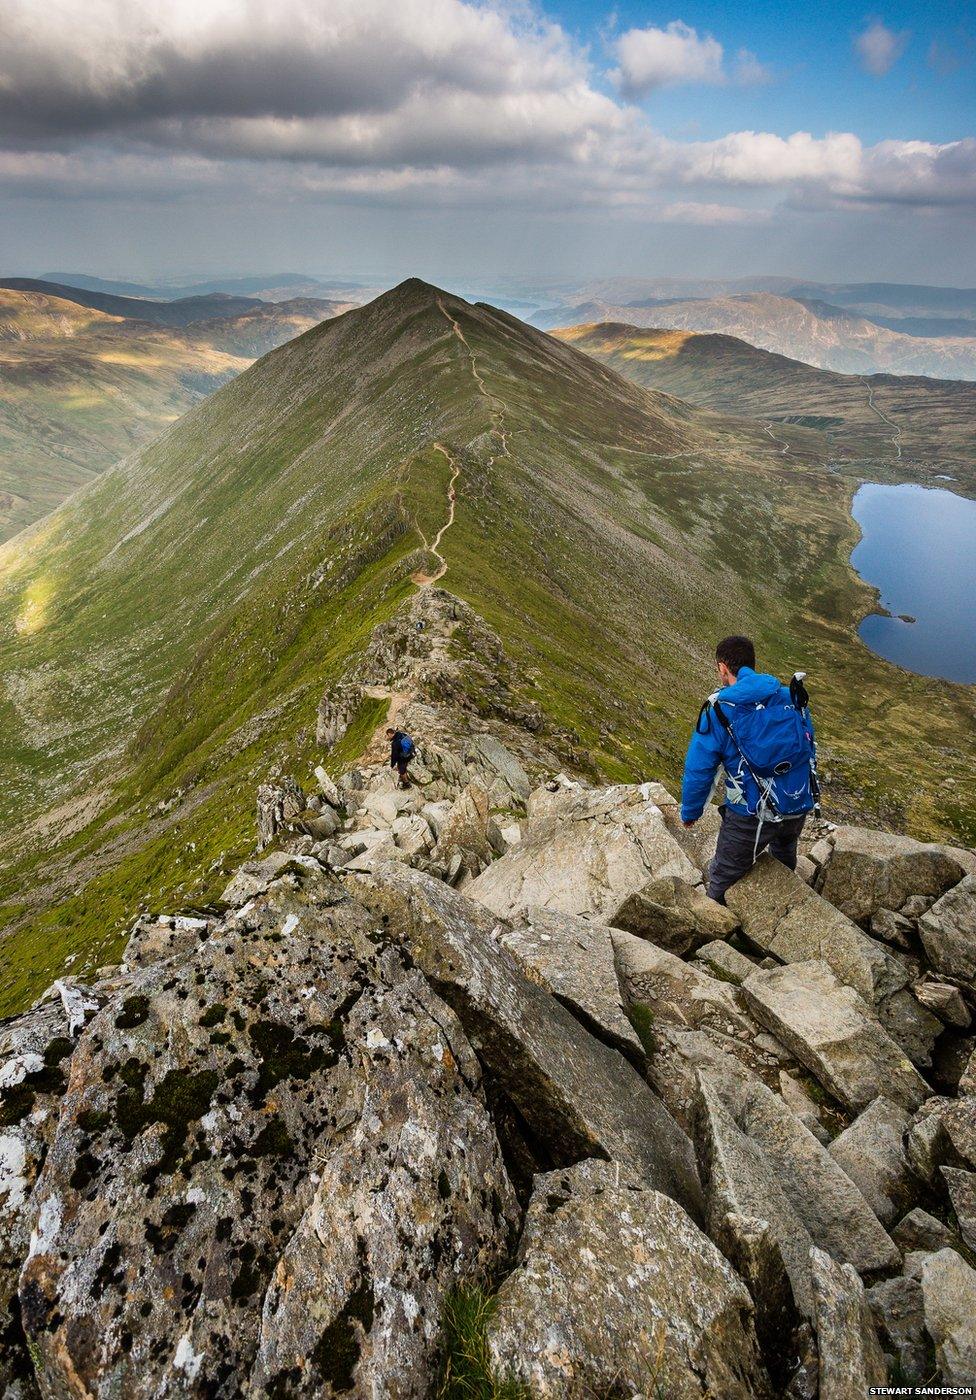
x,y
484,141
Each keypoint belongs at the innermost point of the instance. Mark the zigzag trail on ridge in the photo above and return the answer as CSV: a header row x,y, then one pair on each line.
x,y
896,440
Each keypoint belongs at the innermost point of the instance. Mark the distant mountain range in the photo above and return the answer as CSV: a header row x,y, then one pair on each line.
x,y
881,417
167,634
817,332
81,386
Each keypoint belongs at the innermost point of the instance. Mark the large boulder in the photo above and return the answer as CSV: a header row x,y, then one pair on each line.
x,y
574,959
583,853
674,915
872,1153
948,932
851,1359
949,1296
466,829
207,1103
572,1094
961,1186
506,780
899,1315
616,1291
835,1034
783,916
872,870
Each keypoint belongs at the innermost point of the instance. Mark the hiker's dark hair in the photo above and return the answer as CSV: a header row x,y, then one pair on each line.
x,y
390,729
736,652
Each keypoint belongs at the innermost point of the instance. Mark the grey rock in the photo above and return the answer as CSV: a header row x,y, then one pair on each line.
x,y
674,915
892,928
722,960
872,870
944,1000
948,932
919,1230
208,1101
435,814
959,1123
337,709
949,1297
574,959
834,1033
466,829
961,1186
916,905
698,842
871,1151
412,836
851,1360
758,1259
278,804
741,1184
328,789
567,1087
927,1143
588,851
784,917
616,1290
675,1006
799,1102
320,825
899,1315
910,1025
507,781
833,1211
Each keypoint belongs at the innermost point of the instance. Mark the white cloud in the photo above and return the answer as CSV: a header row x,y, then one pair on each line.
x,y
879,48
654,58
429,102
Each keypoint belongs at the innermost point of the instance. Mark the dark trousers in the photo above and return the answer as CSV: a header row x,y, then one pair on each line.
x,y
737,847
401,767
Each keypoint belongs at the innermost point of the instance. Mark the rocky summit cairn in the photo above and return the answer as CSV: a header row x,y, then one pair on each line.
x,y
469,1089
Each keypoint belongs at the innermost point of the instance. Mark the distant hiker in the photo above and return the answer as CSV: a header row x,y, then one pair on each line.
x,y
402,750
761,733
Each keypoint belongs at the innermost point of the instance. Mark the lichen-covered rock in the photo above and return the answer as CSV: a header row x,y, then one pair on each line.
x,y
851,1359
872,870
783,916
506,780
574,1095
616,1291
944,1000
949,1296
722,960
919,1230
35,1055
573,958
205,1105
961,1186
948,931
673,914
586,852
465,828
834,1033
872,1153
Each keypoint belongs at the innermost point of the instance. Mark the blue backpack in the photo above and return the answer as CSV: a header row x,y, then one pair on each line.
x,y
774,740
407,746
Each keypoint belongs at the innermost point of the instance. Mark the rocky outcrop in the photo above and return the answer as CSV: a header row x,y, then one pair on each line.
x,y
616,1291
584,853
947,931
873,870
851,1361
674,915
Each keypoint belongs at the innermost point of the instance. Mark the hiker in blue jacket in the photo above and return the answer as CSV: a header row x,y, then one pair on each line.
x,y
761,733
402,749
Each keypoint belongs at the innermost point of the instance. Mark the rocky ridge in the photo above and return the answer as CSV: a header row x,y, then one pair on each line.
x,y
488,1038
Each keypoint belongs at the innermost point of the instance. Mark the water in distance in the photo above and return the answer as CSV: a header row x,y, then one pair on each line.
x,y
918,547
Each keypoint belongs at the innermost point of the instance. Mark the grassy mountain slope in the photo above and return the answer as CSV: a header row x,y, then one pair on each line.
x,y
80,388
166,635
922,428
181,312
821,335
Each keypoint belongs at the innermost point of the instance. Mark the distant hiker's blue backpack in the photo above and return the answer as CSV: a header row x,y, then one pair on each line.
x,y
407,746
774,741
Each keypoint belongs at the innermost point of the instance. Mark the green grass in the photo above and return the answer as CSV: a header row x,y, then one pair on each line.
x,y
466,1371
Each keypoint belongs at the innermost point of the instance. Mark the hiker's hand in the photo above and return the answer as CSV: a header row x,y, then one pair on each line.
x,y
689,825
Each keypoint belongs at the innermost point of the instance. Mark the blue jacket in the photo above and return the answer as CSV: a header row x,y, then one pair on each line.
x,y
714,749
